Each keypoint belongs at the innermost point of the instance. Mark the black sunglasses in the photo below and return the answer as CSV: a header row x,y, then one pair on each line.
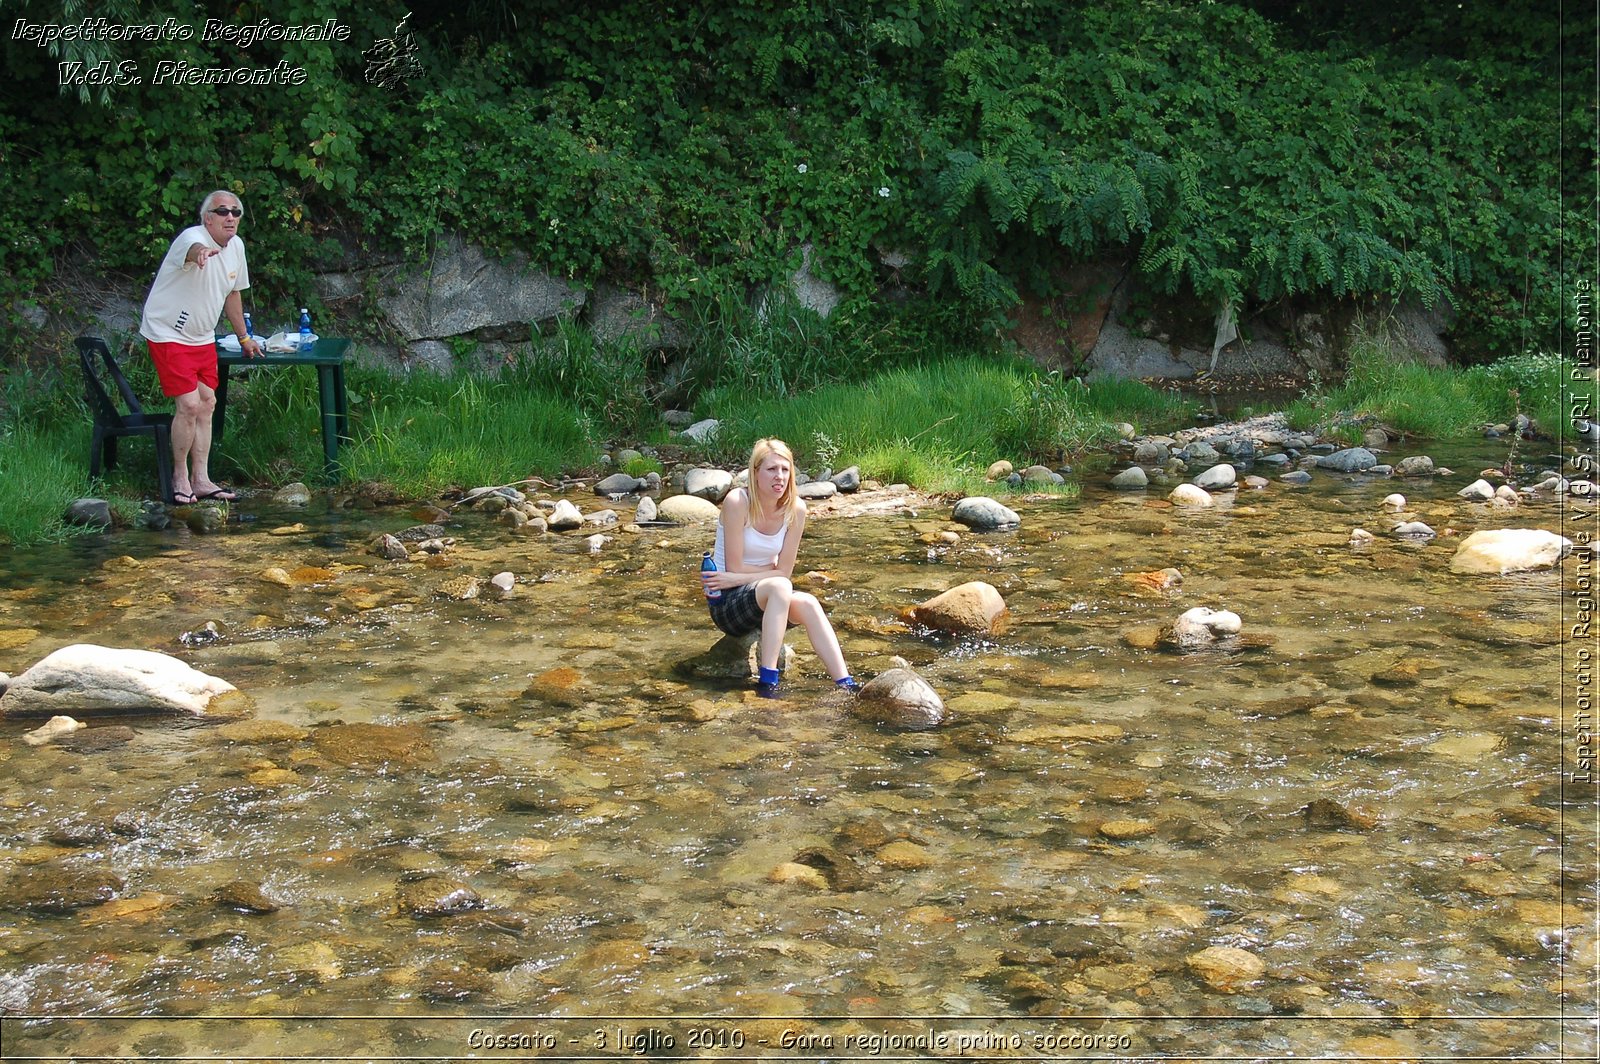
x,y
237,212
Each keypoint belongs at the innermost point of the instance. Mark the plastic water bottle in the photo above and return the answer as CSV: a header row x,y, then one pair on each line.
x,y
249,330
305,329
708,564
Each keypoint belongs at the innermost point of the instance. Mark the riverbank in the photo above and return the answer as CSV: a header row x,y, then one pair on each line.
x,y
937,426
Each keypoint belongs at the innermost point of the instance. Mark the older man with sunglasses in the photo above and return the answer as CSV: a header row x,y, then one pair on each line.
x,y
199,281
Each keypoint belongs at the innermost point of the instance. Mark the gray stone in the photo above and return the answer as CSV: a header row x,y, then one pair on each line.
x,y
900,698
565,516
817,490
617,314
1151,452
390,547
296,494
617,484
848,480
600,518
431,356
1417,465
418,533
1276,459
1038,474
1129,479
703,431
1477,491
1413,530
465,289
89,513
678,419
811,291
710,484
983,514
87,679
1349,460
733,657
1298,476
1199,451
1217,478
646,510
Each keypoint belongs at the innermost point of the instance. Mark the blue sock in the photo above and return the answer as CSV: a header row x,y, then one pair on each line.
x,y
847,682
769,676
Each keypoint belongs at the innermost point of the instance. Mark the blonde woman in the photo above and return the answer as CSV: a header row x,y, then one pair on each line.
x,y
751,589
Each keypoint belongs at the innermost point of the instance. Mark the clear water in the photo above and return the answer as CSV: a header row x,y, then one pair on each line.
x,y
1437,900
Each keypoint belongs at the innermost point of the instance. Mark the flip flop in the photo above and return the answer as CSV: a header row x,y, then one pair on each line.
x,y
225,493
182,498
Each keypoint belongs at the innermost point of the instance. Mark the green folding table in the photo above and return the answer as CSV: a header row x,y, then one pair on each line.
x,y
327,356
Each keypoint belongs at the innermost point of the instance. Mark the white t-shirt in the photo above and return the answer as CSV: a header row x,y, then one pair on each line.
x,y
185,302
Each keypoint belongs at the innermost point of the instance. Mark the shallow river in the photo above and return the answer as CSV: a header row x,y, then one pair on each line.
x,y
562,844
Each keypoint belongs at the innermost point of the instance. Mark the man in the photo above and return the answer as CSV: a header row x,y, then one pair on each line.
x,y
199,281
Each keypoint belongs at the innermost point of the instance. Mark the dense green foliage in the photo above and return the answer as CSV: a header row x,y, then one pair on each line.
x,y
693,149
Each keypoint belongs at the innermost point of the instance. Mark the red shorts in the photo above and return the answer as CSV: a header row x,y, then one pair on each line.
x,y
182,367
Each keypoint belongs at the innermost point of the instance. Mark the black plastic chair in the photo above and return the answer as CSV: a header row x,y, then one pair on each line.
x,y
110,422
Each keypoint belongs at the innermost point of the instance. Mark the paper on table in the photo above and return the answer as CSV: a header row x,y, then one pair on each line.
x,y
283,343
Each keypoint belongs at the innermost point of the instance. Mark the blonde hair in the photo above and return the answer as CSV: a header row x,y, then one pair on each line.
x,y
764,449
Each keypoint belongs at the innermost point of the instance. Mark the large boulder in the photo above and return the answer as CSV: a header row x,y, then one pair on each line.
x,y
465,289
983,514
1506,550
901,699
84,679
970,607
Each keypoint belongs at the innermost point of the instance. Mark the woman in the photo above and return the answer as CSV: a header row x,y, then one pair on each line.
x,y
758,537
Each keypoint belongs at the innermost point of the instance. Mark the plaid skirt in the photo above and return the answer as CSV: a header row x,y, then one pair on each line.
x,y
736,612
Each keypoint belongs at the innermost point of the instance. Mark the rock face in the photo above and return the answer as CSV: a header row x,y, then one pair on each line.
x,y
901,699
465,289
1501,550
970,607
983,514
85,679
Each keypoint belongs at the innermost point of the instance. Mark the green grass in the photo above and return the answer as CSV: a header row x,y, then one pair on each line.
x,y
43,469
468,430
936,426
1436,403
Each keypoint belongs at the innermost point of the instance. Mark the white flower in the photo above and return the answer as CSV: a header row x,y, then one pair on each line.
x,y
800,169
884,192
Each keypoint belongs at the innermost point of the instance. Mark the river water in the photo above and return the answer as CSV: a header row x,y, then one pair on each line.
x,y
507,829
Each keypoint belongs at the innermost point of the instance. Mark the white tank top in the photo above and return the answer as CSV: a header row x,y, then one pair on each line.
x,y
760,550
